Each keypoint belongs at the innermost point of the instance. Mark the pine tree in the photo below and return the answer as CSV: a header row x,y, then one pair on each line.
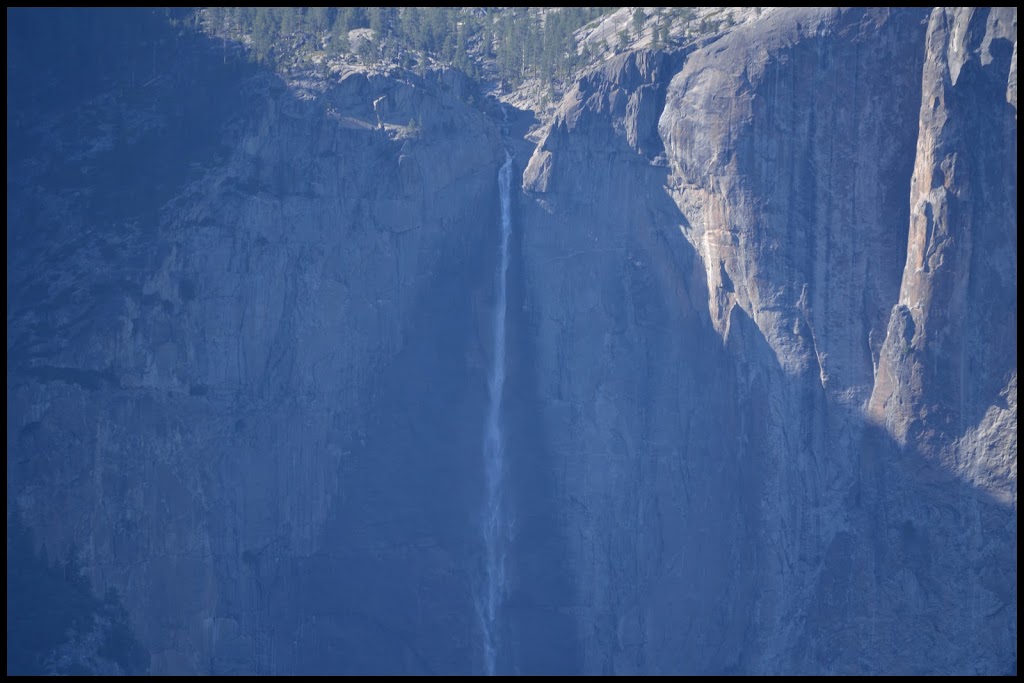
x,y
409,26
339,29
317,19
638,22
487,39
377,23
461,59
288,19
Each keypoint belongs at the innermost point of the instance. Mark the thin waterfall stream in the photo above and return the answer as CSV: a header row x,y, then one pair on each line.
x,y
495,526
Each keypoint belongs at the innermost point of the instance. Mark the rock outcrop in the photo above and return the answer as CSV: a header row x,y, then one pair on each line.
x,y
951,348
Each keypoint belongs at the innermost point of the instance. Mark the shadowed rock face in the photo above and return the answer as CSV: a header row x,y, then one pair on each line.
x,y
744,509
244,366
761,397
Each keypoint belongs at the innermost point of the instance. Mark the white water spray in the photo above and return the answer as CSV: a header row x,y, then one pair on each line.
x,y
495,527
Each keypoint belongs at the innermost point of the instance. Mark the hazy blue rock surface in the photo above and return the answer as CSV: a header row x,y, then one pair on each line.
x,y
759,405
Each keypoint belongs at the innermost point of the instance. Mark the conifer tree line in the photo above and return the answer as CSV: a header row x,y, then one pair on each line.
x,y
517,42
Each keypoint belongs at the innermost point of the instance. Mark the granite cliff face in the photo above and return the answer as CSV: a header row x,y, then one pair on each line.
x,y
755,511
760,401
238,398
951,348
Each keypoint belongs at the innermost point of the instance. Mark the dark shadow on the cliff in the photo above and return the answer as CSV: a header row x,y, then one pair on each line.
x,y
934,510
894,513
989,323
125,112
602,219
55,625
537,624
882,513
410,558
364,603
520,122
111,111
151,98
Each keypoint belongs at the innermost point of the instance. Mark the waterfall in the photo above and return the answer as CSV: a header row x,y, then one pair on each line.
x,y
495,527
